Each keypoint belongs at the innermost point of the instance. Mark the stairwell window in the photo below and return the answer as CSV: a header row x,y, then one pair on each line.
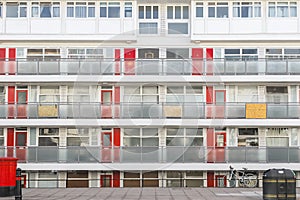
x,y
282,9
178,12
148,19
218,10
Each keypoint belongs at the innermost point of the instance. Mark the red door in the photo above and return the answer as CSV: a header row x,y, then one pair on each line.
x,y
210,179
22,103
129,61
106,104
106,147
209,61
197,61
220,180
220,144
106,181
220,99
10,142
21,143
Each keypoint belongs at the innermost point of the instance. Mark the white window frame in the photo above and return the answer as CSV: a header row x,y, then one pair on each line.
x,y
199,5
107,6
21,6
216,6
276,5
237,10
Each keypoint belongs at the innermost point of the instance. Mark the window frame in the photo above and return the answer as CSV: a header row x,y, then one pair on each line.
x,y
276,5
216,6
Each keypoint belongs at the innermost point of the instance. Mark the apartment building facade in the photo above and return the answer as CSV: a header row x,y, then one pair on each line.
x,y
149,93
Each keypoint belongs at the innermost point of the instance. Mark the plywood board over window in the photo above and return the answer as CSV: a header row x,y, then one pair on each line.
x,y
256,111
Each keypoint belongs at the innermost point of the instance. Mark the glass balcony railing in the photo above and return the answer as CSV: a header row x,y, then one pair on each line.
x,y
162,67
169,154
151,111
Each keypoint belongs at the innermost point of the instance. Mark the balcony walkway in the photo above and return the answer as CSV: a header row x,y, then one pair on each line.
x,y
143,194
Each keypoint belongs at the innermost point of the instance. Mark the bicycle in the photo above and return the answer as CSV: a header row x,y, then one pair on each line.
x,y
246,179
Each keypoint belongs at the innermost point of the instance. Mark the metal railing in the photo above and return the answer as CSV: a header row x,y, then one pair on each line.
x,y
155,154
96,110
162,67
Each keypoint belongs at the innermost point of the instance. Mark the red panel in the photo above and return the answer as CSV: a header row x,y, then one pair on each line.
x,y
10,137
12,58
2,60
8,168
209,94
117,137
117,61
210,137
116,177
129,61
197,61
210,179
117,102
11,94
209,63
11,102
210,145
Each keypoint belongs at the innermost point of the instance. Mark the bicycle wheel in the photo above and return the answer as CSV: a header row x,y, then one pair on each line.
x,y
232,181
250,180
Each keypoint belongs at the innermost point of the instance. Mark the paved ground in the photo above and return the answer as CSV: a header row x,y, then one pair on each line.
x,y
142,194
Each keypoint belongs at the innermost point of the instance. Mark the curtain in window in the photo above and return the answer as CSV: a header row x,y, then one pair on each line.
x,y
247,11
45,11
236,11
56,12
257,12
293,11
80,12
91,12
282,11
272,11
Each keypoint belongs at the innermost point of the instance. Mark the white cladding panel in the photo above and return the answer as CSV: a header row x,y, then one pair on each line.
x,y
128,26
45,26
217,26
79,26
110,26
245,26
198,26
278,25
16,25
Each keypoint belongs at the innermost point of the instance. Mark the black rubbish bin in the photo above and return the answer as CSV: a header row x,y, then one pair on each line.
x,y
279,184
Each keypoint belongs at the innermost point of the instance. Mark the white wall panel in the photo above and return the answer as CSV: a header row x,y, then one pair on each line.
x,y
198,27
128,25
45,26
217,25
110,26
16,25
279,25
246,26
74,26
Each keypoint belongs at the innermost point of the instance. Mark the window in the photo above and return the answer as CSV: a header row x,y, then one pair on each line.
x,y
45,9
173,53
81,9
199,9
2,94
276,94
14,9
128,10
1,7
77,137
148,19
48,137
182,94
1,137
177,12
148,12
246,9
218,10
82,53
148,53
110,10
49,94
147,94
248,137
78,94
146,137
175,179
184,137
241,54
277,137
47,179
43,54
282,9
